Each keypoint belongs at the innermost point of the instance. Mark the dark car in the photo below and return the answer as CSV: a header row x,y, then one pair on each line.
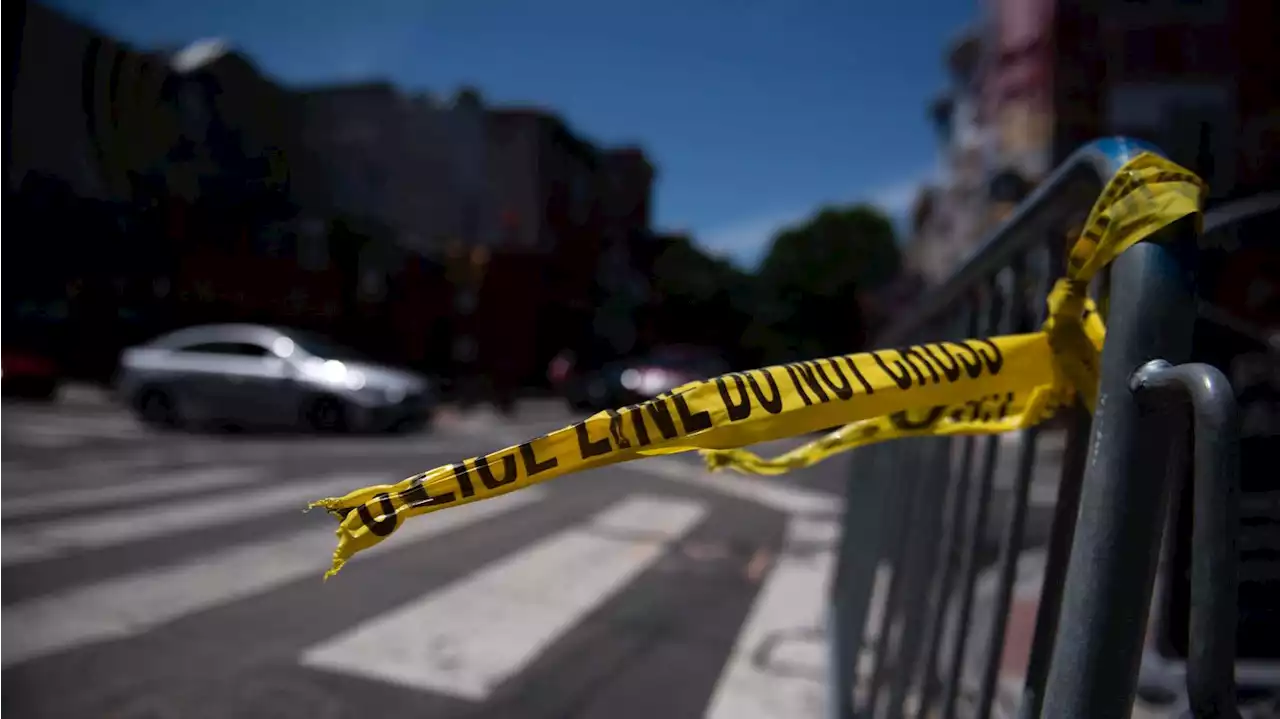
x,y
636,379
28,374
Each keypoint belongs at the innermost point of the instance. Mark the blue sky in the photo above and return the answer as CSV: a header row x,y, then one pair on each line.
x,y
754,111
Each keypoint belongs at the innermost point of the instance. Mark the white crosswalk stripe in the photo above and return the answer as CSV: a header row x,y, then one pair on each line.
x,y
119,527
502,617
132,604
169,485
54,431
778,667
466,638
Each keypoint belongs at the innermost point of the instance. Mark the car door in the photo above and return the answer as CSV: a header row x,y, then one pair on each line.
x,y
231,380
198,379
257,385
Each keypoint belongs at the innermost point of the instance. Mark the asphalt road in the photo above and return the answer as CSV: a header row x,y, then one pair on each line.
x,y
173,575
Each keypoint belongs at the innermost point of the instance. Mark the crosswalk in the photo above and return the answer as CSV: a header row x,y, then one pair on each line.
x,y
467,637
49,429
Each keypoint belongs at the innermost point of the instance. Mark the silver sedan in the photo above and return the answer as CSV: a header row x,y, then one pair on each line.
x,y
254,375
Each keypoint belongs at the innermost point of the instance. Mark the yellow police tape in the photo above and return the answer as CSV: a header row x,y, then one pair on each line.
x,y
972,386
1146,195
984,415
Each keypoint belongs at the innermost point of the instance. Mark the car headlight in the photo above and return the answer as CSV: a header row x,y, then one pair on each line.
x,y
394,394
354,380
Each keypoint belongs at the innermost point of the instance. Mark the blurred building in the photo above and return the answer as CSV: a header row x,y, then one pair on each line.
x,y
625,186
1198,79
538,295
195,188
1039,78
243,199
86,137
949,215
50,133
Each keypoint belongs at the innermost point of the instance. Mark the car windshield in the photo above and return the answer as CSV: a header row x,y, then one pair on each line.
x,y
322,346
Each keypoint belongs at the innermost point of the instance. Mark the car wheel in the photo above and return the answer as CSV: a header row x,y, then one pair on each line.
x,y
327,414
159,409
409,425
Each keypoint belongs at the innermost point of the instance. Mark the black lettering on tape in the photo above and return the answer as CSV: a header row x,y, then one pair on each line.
x,y
486,472
795,381
1004,406
740,409
660,413
588,447
975,410
950,371
994,361
810,377
972,364
902,420
637,423
383,525
844,390
416,492
532,465
1100,228
986,410
914,356
692,421
463,475
772,405
902,377
857,373
416,495
615,430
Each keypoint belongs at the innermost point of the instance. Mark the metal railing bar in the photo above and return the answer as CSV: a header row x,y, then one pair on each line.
x,y
950,555
888,615
869,500
922,558
1012,537
1111,572
974,536
1061,535
1056,201
1215,528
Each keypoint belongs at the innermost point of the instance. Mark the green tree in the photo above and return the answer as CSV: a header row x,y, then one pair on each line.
x,y
701,299
813,273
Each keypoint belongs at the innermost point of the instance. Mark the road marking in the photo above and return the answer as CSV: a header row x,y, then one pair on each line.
x,y
778,664
131,605
467,638
50,429
169,485
773,494
59,537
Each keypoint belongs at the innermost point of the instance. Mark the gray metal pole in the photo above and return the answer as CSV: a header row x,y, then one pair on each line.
x,y
866,515
1123,501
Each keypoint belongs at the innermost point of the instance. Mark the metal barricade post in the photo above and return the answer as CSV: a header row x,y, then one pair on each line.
x,y
1108,510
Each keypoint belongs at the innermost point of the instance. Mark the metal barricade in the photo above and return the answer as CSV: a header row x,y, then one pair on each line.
x,y
935,529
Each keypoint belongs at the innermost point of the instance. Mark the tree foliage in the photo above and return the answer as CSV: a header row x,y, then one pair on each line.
x,y
803,300
701,299
813,274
